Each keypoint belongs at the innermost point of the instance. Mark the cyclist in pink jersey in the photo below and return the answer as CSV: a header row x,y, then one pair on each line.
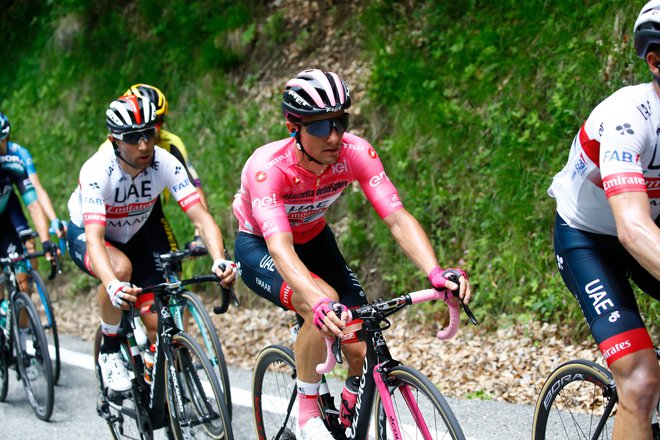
x,y
287,253
606,233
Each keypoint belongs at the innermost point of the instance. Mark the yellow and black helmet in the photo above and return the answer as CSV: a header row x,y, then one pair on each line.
x,y
153,94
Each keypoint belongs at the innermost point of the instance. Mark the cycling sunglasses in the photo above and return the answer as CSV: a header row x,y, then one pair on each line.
x,y
322,127
134,137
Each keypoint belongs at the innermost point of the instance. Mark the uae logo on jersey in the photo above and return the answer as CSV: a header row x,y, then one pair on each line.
x,y
624,129
260,176
296,180
372,153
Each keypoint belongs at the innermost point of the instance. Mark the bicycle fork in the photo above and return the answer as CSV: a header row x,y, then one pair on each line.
x,y
380,378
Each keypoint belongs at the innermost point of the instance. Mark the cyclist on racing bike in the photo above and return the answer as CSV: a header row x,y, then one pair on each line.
x,y
108,237
608,202
286,252
173,144
13,205
13,172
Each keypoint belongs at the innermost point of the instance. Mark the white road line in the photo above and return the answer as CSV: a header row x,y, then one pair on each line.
x,y
239,396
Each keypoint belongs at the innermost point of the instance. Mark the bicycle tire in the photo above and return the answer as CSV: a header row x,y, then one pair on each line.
x,y
207,336
438,416
561,408
47,320
38,380
116,420
5,357
194,394
273,387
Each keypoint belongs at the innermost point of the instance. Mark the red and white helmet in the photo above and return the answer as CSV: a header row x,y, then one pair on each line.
x,y
313,92
130,113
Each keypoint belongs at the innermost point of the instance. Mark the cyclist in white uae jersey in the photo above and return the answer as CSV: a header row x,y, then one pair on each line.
x,y
116,191
285,250
608,198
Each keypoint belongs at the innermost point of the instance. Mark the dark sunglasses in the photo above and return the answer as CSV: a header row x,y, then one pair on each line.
x,y
134,137
322,127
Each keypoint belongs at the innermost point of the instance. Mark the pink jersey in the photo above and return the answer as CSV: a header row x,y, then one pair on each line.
x,y
616,150
277,195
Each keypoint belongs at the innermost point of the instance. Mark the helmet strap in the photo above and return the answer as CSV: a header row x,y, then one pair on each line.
x,y
304,152
119,156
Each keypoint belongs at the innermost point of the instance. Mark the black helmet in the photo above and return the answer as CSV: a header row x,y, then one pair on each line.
x,y
130,113
647,28
313,92
5,126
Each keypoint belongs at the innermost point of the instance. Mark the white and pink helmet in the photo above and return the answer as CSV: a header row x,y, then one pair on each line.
x,y
314,91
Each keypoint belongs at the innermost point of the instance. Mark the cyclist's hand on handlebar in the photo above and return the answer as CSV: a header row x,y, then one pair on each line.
x,y
121,293
58,227
225,270
440,280
330,317
50,249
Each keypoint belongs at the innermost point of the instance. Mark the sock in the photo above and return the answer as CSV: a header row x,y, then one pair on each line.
x,y
308,407
111,340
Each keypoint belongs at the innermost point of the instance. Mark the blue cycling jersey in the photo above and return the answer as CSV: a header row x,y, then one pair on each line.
x,y
17,150
14,172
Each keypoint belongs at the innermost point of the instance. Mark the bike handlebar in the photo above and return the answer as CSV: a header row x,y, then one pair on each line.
x,y
333,345
170,286
55,267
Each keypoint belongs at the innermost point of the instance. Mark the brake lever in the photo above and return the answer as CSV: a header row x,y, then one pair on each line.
x,y
454,279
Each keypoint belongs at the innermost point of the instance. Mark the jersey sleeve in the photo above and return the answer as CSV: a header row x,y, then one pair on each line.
x,y
26,157
622,143
267,204
93,187
378,188
178,182
25,187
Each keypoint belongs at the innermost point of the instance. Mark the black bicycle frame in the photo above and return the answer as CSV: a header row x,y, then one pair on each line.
x,y
155,404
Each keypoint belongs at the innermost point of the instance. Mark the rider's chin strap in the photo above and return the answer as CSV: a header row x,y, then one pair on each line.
x,y
114,145
301,148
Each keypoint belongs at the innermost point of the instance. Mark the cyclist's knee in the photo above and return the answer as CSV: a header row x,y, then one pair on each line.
x,y
638,382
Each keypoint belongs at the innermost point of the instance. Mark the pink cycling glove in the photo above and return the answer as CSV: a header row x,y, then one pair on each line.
x,y
323,308
438,276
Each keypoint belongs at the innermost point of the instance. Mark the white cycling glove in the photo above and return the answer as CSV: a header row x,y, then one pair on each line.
x,y
115,291
223,264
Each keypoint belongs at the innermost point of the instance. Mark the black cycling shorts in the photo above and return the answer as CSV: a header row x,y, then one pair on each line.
x,y
9,240
596,269
320,255
142,250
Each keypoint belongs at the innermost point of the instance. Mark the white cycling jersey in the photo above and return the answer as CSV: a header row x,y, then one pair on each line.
x,y
615,151
109,196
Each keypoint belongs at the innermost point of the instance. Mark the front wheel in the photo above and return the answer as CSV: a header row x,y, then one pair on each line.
x,y
421,410
32,357
197,323
197,405
274,393
45,308
577,401
5,358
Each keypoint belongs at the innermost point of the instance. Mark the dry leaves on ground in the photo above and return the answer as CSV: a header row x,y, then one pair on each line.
x,y
508,365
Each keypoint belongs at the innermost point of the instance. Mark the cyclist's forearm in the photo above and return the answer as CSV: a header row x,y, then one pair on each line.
x,y
209,232
39,219
293,270
412,239
43,197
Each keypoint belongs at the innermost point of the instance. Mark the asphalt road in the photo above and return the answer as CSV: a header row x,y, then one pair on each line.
x,y
74,415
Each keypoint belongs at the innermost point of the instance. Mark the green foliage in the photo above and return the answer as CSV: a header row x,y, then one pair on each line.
x,y
480,101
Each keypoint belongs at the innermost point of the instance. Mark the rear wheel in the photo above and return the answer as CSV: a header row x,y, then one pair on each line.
x,y
421,410
33,360
194,394
274,393
47,315
577,398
